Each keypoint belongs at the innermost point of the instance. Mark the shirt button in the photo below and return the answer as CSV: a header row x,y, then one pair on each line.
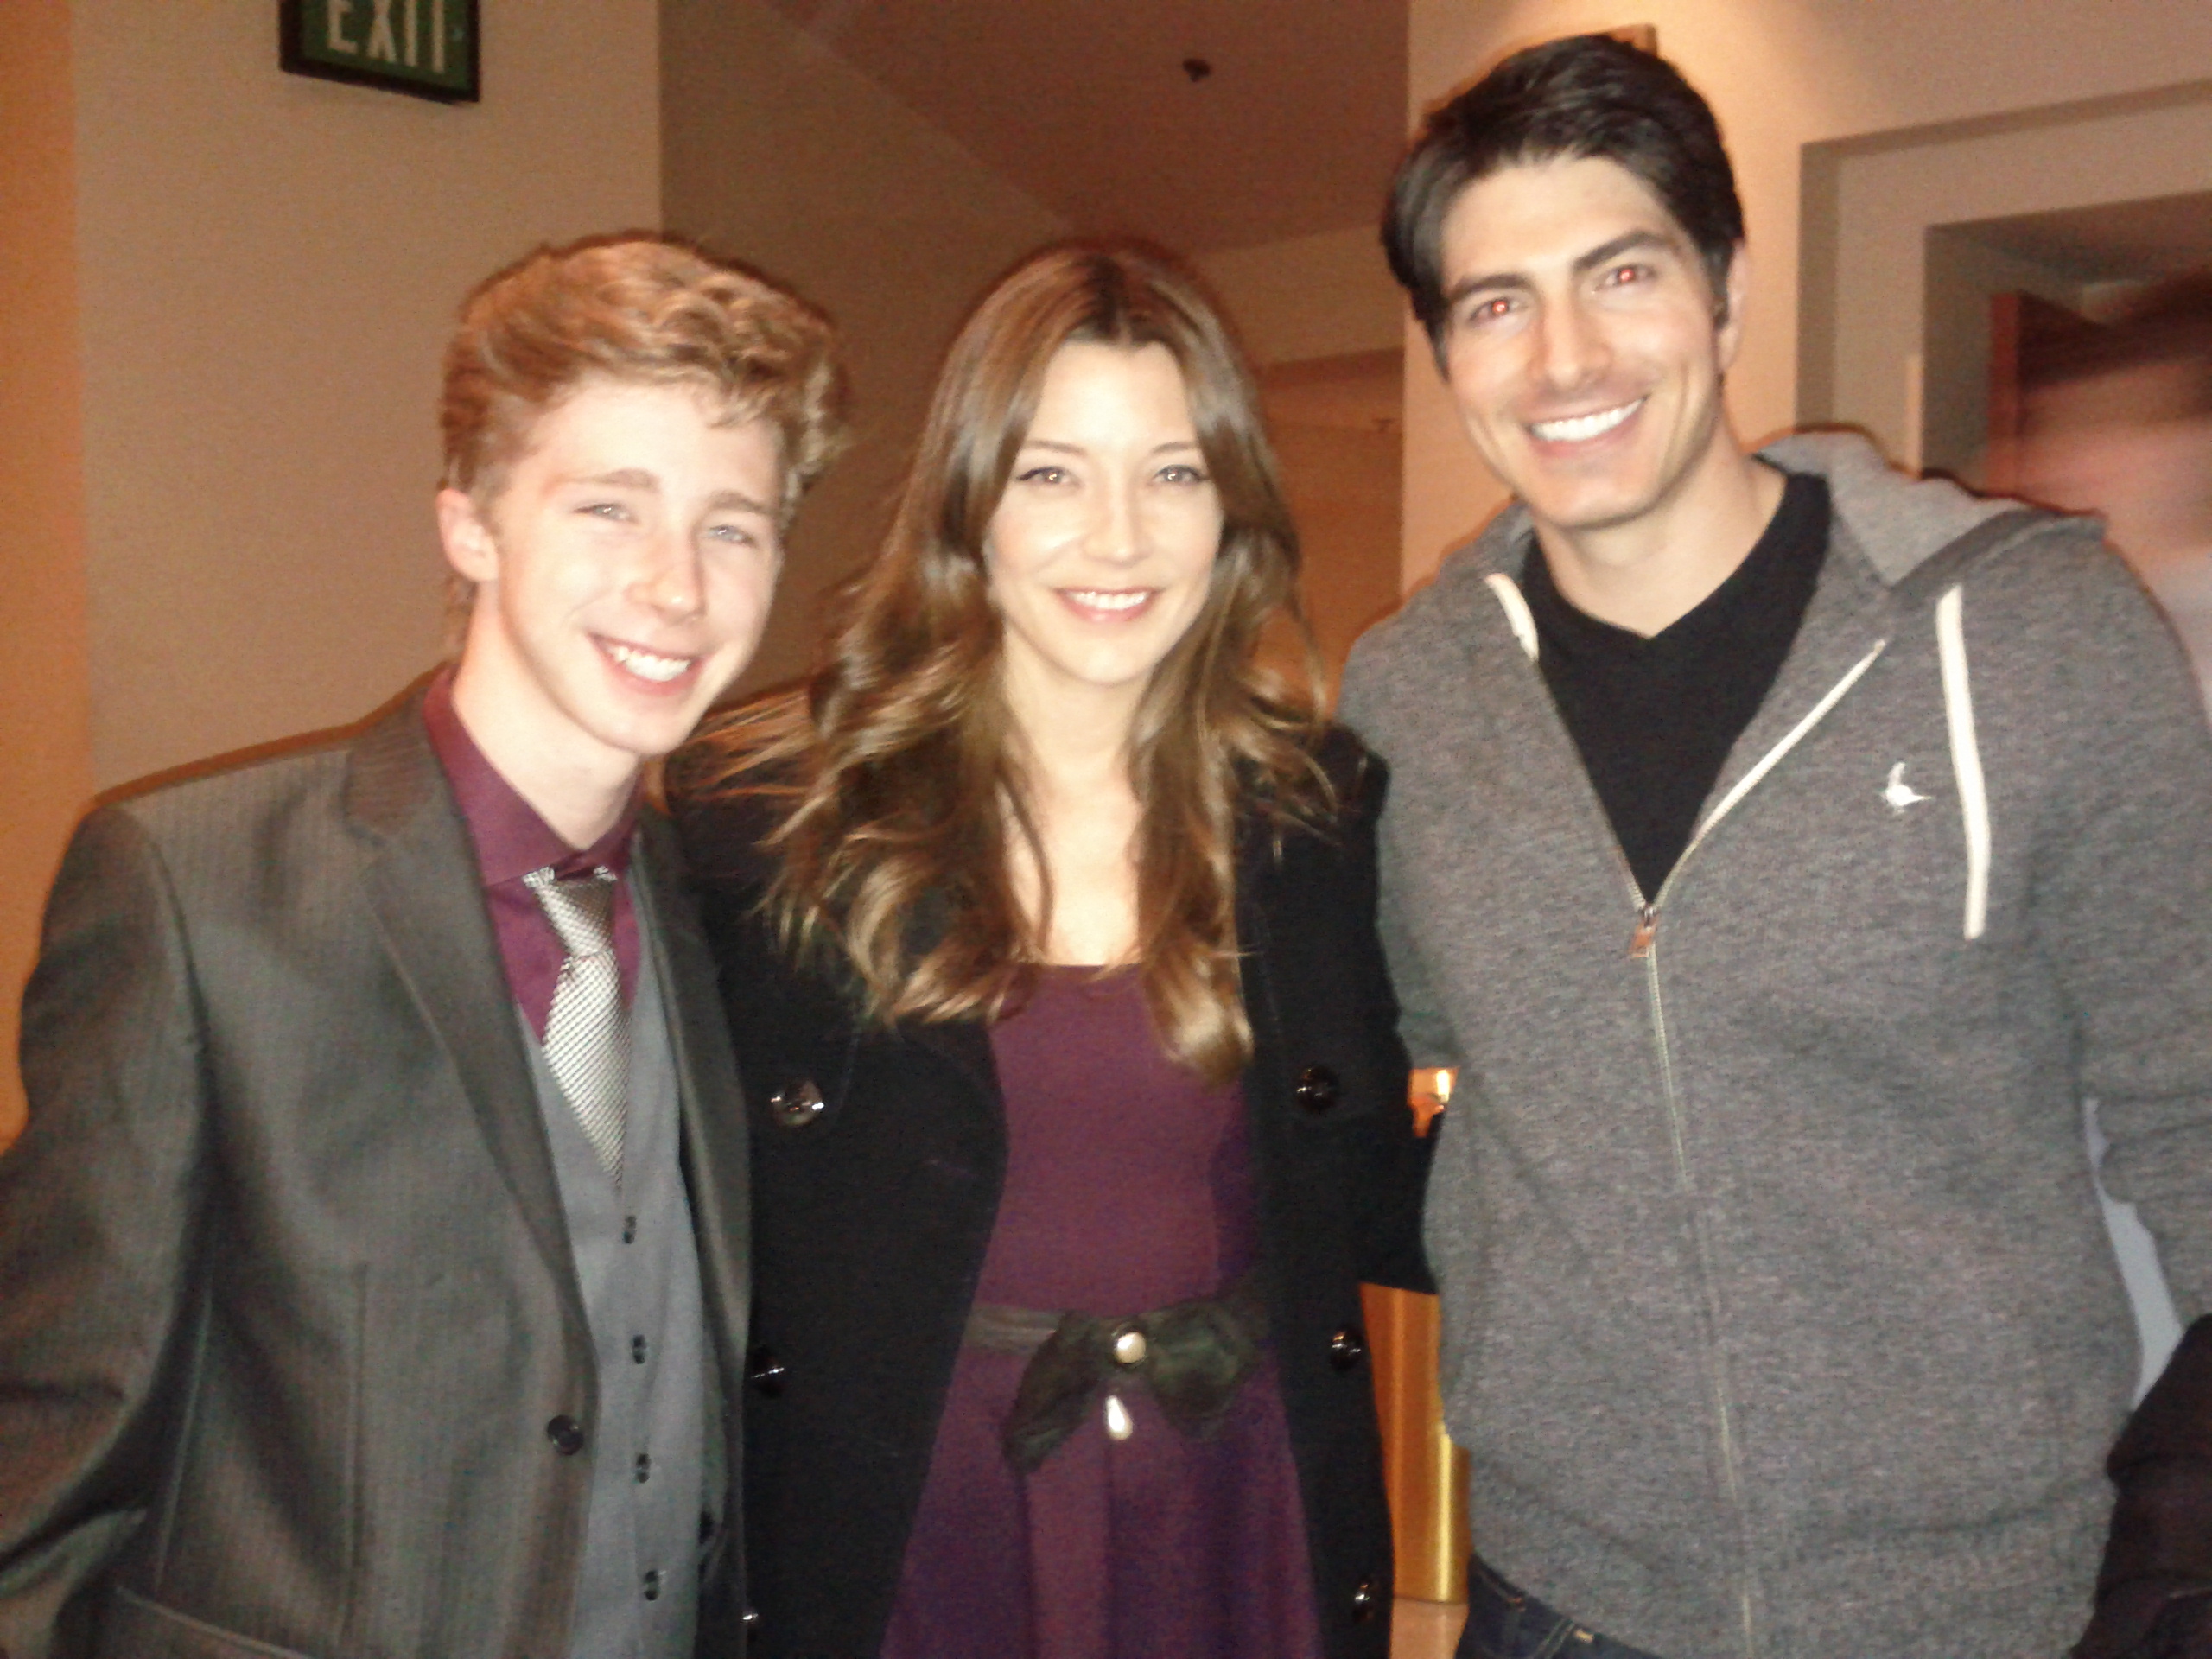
x,y
637,1349
653,1584
567,1435
629,1230
644,1468
1129,1348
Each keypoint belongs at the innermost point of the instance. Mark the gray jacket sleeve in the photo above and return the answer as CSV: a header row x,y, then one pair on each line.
x,y
1422,1023
99,1201
2122,882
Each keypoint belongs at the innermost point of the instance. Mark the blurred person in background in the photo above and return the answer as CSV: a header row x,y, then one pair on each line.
x,y
2122,426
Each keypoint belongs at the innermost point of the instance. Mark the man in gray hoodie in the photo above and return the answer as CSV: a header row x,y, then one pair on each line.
x,y
1781,850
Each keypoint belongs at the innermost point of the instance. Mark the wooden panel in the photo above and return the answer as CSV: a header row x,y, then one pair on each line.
x,y
2027,336
1426,1474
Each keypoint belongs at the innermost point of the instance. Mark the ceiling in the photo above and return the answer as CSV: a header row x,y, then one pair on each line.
x,y
2114,242
1086,105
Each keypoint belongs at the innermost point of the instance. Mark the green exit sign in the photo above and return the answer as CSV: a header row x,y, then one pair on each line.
x,y
428,48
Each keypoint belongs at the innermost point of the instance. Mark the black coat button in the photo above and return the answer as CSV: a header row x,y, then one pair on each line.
x,y
1347,1347
652,1584
765,1373
796,1104
750,1618
645,1467
637,1349
1366,1600
567,1435
1317,1089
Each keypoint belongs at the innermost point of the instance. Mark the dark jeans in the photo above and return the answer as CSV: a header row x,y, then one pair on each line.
x,y
1504,1623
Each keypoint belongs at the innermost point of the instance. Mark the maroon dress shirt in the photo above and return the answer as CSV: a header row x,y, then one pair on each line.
x,y
511,840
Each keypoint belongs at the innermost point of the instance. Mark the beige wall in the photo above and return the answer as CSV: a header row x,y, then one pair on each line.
x,y
1783,74
227,288
269,266
1320,316
1872,281
779,152
1334,423
46,734
1330,294
1953,403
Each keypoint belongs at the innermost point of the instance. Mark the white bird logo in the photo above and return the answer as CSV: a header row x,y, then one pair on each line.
x,y
1898,793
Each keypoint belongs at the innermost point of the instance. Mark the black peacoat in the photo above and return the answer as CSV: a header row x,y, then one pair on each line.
x,y
879,1154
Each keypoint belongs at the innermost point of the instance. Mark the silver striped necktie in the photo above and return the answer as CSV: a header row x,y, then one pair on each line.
x,y
587,1033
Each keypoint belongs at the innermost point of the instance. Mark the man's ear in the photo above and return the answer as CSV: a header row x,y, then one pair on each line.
x,y
470,547
1728,307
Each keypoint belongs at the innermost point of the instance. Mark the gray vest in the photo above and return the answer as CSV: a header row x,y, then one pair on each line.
x,y
638,1593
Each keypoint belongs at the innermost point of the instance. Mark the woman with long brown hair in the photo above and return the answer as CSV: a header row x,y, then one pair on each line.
x,y
1045,916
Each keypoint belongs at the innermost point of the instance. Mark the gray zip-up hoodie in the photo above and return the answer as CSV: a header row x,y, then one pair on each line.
x,y
1779,1316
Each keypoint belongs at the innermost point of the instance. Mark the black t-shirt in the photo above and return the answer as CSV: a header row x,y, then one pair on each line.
x,y
1655,718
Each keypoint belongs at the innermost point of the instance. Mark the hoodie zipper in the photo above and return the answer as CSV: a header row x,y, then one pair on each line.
x,y
1643,947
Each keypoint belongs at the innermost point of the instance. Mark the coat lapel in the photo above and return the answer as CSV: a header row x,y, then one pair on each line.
x,y
966,1043
1255,861
420,876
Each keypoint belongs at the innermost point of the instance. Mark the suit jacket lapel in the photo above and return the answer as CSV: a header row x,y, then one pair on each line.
x,y
715,1133
423,885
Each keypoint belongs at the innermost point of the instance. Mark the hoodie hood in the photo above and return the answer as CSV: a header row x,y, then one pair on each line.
x,y
1896,525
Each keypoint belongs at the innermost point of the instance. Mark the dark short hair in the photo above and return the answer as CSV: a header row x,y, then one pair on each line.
x,y
1588,96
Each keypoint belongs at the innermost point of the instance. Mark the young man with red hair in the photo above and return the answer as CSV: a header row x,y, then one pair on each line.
x,y
372,1270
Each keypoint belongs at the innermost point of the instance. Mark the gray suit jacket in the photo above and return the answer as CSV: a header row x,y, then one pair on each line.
x,y
291,1347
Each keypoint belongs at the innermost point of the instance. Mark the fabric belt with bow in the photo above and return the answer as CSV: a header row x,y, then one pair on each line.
x,y
1192,1355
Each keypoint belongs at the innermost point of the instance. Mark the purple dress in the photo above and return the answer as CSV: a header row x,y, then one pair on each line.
x,y
1128,1185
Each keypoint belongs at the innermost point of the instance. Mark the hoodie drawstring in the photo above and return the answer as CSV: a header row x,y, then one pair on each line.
x,y
1965,755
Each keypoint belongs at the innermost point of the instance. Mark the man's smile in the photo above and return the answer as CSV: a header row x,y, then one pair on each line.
x,y
651,665
1580,428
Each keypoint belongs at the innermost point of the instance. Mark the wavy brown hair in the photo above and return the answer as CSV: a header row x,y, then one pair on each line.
x,y
898,767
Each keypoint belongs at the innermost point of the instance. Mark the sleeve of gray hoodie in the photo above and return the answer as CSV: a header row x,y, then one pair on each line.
x,y
1365,705
2122,878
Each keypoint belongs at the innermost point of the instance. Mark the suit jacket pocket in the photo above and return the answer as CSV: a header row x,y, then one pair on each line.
x,y
262,1513
131,1627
